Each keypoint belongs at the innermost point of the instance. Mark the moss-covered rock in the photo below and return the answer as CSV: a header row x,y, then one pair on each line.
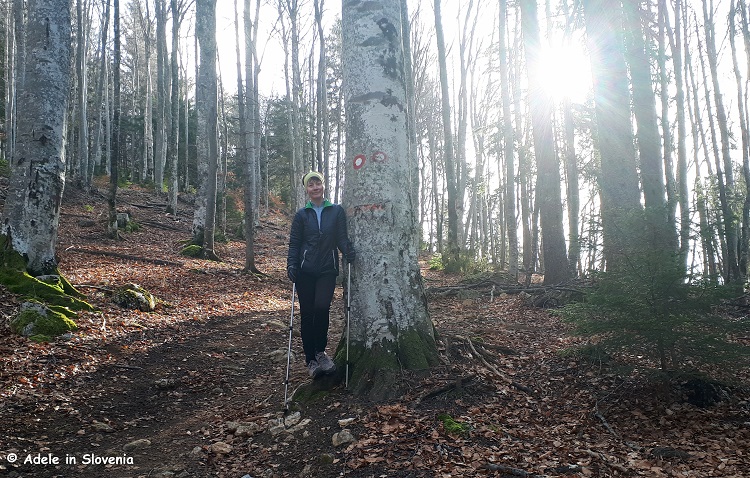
x,y
35,320
133,296
192,250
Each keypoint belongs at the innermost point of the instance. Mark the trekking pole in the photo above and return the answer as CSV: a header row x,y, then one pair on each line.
x,y
348,315
289,349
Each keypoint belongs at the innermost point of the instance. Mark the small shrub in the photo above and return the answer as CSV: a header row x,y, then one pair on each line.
x,y
132,226
650,310
436,262
4,168
592,353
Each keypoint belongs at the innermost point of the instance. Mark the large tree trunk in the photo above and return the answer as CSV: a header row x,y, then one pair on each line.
x,y
548,166
618,180
390,326
32,208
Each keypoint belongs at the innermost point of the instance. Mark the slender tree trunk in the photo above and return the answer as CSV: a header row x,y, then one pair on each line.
x,y
100,99
174,104
712,151
297,136
682,160
206,33
247,138
666,129
647,133
745,230
147,160
548,166
112,230
732,269
698,134
160,118
321,118
571,172
83,133
452,249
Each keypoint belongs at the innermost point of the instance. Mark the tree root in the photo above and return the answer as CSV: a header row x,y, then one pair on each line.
x,y
92,252
600,456
494,369
509,470
457,384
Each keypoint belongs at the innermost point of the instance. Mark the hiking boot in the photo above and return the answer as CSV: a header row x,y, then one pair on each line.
x,y
325,362
314,369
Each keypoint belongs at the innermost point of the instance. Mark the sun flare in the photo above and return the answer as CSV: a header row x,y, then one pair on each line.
x,y
566,72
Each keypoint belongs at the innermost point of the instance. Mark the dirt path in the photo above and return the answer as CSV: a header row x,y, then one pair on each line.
x,y
192,390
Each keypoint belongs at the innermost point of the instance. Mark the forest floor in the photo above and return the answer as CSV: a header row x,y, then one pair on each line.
x,y
196,388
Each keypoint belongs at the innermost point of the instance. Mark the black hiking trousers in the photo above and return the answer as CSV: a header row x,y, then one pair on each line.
x,y
315,295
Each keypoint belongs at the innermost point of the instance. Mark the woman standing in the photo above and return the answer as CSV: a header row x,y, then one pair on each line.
x,y
318,230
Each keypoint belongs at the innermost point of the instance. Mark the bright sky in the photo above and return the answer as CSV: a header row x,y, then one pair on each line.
x,y
567,68
270,45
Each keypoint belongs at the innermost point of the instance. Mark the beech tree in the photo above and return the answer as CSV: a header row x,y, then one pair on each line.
x,y
390,326
204,219
452,249
548,167
32,208
618,179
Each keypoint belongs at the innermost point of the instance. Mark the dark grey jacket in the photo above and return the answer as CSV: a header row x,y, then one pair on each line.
x,y
312,250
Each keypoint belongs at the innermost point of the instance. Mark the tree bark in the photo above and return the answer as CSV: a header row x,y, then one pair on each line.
x,y
647,133
112,230
174,104
206,32
32,207
618,179
390,326
548,166
100,99
160,117
745,141
82,91
732,269
452,249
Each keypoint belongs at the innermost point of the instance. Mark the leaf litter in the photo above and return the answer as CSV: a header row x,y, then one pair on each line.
x,y
191,390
